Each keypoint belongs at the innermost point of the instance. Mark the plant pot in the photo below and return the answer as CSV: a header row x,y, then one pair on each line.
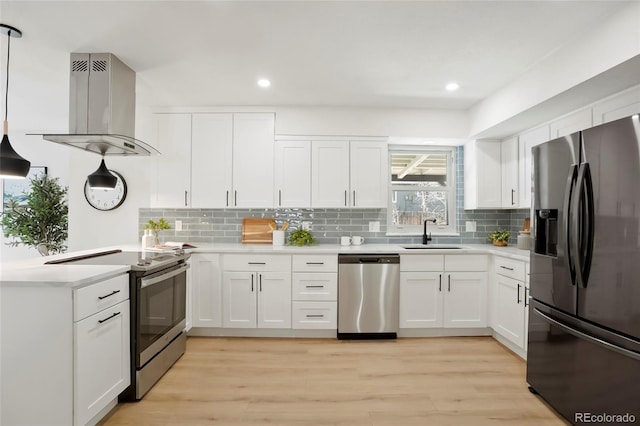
x,y
500,243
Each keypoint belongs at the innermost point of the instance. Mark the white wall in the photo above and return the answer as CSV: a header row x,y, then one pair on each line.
x,y
614,41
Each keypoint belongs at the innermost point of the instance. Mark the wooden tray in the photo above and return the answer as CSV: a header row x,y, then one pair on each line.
x,y
256,230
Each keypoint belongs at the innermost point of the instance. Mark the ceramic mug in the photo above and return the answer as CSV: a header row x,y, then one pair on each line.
x,y
357,240
345,241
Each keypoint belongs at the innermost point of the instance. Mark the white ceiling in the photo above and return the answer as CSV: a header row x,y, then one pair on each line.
x,y
346,53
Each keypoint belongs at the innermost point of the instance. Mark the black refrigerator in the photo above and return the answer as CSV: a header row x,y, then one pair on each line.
x,y
584,319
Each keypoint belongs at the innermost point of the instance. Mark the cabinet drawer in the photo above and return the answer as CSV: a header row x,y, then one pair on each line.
x,y
509,268
421,262
315,286
316,315
466,262
94,298
256,262
315,263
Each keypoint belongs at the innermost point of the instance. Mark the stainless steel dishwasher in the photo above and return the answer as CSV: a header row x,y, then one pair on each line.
x,y
368,296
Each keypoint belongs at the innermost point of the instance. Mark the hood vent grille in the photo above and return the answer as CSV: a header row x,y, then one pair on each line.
x,y
79,66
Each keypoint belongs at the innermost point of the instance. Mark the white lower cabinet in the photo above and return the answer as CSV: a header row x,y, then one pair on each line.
x,y
510,304
315,292
102,367
206,290
65,352
443,291
260,295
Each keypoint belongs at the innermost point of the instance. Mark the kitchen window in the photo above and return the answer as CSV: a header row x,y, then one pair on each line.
x,y
422,187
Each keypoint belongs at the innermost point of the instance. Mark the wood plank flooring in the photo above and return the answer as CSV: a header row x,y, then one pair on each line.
x,y
428,381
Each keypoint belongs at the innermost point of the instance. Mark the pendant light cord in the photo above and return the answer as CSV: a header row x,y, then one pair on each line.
x,y
6,92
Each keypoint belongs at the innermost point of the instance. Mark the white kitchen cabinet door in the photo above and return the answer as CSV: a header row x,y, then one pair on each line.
x,y
172,181
421,299
571,123
482,175
206,290
465,304
509,313
274,299
293,174
253,152
526,141
101,363
369,174
621,105
211,160
239,299
329,174
509,166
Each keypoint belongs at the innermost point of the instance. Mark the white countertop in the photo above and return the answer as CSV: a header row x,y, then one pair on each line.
x,y
33,272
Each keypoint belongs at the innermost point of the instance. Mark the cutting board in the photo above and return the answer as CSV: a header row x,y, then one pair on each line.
x,y
256,230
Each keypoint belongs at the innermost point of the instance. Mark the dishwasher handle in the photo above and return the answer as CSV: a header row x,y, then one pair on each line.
x,y
368,258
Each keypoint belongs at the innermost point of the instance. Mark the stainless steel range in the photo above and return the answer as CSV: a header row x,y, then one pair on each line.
x,y
157,290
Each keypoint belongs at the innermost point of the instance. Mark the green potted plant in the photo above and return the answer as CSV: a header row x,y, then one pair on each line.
x,y
301,237
156,227
41,220
500,237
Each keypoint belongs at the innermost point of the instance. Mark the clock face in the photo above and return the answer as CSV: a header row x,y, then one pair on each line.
x,y
106,199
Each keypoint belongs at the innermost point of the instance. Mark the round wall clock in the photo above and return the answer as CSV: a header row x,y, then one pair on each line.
x,y
107,199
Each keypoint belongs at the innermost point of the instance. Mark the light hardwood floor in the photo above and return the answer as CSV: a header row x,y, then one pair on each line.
x,y
430,381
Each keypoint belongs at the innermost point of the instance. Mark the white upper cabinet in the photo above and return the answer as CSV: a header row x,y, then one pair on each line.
x,y
619,106
330,174
369,174
173,165
571,123
293,174
211,160
253,151
509,169
527,141
482,174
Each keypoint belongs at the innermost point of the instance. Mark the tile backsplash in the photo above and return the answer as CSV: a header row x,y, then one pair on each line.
x,y
208,226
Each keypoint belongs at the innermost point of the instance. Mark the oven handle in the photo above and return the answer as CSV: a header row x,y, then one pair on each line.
x,y
146,282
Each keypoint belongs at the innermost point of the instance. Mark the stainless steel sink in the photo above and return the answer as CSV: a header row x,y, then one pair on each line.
x,y
430,247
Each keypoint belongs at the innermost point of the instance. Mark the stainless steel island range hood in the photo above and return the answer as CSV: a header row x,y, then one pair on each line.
x,y
102,107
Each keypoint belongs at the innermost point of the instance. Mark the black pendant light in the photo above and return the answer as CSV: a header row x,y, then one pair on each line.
x,y
12,165
102,178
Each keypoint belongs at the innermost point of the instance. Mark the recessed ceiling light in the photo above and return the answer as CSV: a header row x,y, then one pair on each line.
x,y
452,86
263,82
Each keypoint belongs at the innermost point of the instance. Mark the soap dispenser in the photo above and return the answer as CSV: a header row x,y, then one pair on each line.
x,y
147,239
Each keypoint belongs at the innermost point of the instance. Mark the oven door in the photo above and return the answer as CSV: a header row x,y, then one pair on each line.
x,y
161,310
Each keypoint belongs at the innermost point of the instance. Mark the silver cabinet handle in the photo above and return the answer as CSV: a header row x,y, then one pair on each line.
x,y
108,318
109,295
508,269
235,198
227,202
518,296
256,263
314,286
260,282
315,316
345,198
280,197
185,198
315,263
354,197
251,283
513,191
440,282
449,285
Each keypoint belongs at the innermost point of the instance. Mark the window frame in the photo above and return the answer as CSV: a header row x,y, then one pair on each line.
x,y
451,188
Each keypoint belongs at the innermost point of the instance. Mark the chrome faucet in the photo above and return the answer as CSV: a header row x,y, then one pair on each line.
x,y
426,238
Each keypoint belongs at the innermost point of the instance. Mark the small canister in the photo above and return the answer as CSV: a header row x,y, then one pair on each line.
x,y
524,240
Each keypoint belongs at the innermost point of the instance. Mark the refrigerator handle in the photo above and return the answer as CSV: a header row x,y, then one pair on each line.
x,y
582,225
588,338
567,220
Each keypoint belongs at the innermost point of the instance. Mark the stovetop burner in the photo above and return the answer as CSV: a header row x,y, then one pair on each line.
x,y
138,260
